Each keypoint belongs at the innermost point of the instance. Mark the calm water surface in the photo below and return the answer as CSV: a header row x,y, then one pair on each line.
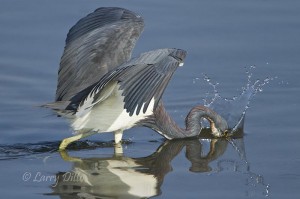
x,y
223,39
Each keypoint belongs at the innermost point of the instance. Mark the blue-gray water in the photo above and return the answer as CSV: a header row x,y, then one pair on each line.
x,y
223,40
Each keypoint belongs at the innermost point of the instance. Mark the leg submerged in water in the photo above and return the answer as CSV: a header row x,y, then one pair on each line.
x,y
118,136
63,145
118,145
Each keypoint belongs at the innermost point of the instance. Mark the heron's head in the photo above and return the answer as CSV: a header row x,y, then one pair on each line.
x,y
219,127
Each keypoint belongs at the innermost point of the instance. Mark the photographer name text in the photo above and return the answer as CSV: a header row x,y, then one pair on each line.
x,y
39,177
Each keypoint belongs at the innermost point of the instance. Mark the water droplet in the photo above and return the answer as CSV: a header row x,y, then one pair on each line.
x,y
234,109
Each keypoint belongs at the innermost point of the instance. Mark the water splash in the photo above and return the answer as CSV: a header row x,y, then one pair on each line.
x,y
233,110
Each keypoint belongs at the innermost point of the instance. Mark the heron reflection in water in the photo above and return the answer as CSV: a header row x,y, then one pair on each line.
x,y
125,177
118,176
101,89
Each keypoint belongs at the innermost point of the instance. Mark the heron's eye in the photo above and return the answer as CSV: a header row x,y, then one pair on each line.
x,y
226,133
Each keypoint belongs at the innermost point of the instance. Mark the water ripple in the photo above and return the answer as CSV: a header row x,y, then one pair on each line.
x,y
15,151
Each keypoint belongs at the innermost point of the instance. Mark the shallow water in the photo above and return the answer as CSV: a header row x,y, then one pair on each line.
x,y
222,39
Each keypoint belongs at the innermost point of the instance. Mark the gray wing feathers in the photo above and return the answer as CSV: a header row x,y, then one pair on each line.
x,y
142,78
152,78
98,43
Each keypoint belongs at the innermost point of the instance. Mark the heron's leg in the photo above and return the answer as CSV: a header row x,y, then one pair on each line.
x,y
118,145
65,156
63,145
118,136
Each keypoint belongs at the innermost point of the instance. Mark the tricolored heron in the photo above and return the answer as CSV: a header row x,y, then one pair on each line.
x,y
101,89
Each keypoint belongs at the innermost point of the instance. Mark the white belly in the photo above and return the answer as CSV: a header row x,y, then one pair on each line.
x,y
109,115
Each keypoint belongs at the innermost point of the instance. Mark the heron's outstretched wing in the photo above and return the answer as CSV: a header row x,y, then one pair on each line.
x,y
141,80
97,43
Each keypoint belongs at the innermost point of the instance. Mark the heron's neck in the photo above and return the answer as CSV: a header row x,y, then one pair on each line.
x,y
165,125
